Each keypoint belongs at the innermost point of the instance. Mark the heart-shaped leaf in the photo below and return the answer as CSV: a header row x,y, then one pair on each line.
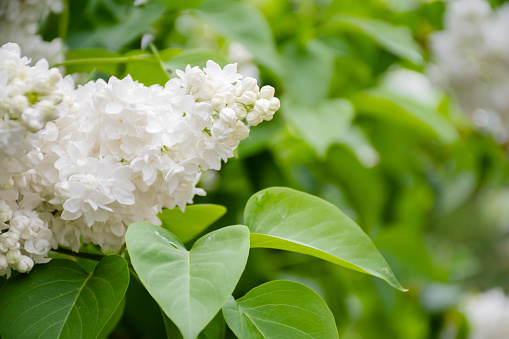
x,y
187,225
190,286
61,300
113,322
286,219
215,329
280,309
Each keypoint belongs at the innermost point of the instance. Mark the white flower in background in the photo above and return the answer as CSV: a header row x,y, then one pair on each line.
x,y
19,21
487,314
31,43
202,35
238,53
472,59
28,11
115,152
411,84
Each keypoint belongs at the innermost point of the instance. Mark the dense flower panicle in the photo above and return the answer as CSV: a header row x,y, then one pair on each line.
x,y
29,98
488,315
120,151
472,59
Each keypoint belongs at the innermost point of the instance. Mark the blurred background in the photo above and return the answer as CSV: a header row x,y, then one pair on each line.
x,y
396,111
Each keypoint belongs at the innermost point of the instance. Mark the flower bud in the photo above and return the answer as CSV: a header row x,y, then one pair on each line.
x,y
18,87
247,98
262,107
274,104
54,76
240,111
7,185
228,116
250,84
253,118
13,257
46,110
266,92
25,264
31,119
220,131
218,102
10,240
40,83
241,131
3,262
16,106
269,116
55,97
5,212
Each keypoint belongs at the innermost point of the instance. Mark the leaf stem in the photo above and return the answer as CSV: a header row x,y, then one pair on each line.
x,y
158,57
113,60
134,274
64,21
121,250
84,255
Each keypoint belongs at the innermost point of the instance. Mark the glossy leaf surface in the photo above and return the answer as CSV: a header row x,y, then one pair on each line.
x,y
280,309
190,286
286,219
61,300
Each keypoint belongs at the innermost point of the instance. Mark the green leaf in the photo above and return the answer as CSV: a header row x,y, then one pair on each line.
x,y
216,329
181,5
355,139
2,281
61,300
389,106
190,286
148,71
280,309
113,322
239,21
364,188
395,39
94,53
286,219
131,26
172,331
187,225
322,125
310,71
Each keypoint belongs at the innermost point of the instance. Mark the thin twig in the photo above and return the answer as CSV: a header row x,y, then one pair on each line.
x,y
84,255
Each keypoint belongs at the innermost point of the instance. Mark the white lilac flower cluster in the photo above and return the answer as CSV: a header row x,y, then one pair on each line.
x,y
19,21
118,153
29,98
487,314
472,59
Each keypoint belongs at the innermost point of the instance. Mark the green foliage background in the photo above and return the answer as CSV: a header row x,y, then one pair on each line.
x,y
427,189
